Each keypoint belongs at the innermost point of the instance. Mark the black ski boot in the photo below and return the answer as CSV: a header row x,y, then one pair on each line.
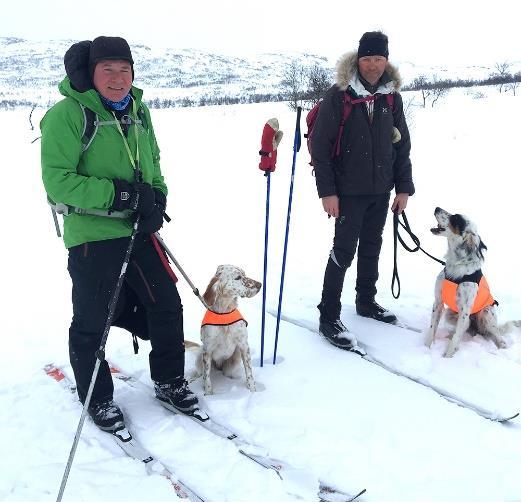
x,y
337,334
176,396
107,415
371,309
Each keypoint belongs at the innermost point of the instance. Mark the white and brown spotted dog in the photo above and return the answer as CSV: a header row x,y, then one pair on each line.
x,y
461,285
224,331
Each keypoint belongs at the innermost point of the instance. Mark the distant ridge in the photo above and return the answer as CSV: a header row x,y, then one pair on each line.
x,y
30,72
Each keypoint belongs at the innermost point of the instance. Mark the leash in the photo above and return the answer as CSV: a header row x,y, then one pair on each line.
x,y
397,237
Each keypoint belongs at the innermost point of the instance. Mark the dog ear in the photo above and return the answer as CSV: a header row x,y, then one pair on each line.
x,y
211,291
471,242
481,248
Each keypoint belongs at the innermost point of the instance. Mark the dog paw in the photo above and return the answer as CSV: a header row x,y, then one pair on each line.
x,y
251,386
428,340
450,351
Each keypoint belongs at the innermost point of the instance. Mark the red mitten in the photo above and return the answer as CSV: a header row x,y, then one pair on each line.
x,y
271,137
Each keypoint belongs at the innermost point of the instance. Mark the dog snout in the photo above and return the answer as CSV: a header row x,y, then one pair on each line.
x,y
252,287
442,217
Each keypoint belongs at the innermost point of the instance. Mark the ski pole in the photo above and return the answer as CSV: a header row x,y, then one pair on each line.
x,y
296,148
271,136
265,268
100,356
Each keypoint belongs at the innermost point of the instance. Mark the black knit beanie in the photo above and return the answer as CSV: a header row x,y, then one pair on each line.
x,y
373,43
103,48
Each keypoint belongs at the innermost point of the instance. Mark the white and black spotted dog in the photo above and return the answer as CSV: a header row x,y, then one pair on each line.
x,y
461,285
224,331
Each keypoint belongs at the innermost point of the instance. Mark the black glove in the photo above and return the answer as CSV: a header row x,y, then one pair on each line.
x,y
139,197
154,221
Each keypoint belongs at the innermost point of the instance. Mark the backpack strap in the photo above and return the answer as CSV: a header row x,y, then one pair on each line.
x,y
91,124
390,100
90,127
348,107
142,119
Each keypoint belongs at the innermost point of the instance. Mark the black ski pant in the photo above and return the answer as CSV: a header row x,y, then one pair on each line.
x,y
94,268
361,221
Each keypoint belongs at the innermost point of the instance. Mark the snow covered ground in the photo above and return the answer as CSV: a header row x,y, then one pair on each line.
x,y
334,415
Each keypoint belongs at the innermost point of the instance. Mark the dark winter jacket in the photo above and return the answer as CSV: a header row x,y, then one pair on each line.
x,y
369,162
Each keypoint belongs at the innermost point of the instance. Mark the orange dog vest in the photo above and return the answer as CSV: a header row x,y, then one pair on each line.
x,y
212,318
483,297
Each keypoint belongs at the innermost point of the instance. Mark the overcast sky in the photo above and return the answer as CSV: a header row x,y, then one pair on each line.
x,y
422,32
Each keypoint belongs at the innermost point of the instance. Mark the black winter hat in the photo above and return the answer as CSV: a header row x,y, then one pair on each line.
x,y
373,43
103,48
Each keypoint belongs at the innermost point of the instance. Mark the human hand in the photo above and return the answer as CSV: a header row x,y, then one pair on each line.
x,y
152,222
399,203
331,205
139,197
145,198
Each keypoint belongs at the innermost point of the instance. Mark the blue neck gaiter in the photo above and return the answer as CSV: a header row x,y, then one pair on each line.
x,y
116,105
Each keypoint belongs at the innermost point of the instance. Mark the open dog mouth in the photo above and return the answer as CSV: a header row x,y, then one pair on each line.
x,y
438,230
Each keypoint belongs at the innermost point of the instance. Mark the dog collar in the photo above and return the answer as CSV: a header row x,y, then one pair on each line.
x,y
212,318
474,277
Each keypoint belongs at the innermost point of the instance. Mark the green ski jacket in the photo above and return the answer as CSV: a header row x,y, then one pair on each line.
x,y
83,179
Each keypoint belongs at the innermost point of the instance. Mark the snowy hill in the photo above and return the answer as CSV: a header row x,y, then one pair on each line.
x,y
30,72
331,414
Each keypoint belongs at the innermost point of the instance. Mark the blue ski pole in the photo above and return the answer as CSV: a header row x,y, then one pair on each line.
x,y
296,148
266,233
271,136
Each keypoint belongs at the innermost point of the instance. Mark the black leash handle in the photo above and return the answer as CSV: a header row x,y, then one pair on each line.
x,y
397,237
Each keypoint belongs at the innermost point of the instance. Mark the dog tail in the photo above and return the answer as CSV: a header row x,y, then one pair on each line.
x,y
509,326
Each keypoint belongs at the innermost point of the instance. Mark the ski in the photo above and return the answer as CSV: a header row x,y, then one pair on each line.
x,y
401,324
489,415
124,439
328,494
257,454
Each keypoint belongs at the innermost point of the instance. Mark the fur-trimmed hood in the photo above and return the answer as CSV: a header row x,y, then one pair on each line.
x,y
347,76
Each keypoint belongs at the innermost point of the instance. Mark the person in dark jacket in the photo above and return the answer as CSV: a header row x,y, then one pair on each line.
x,y
355,186
116,174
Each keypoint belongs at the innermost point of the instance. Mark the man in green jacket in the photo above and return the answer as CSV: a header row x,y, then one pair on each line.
x,y
105,179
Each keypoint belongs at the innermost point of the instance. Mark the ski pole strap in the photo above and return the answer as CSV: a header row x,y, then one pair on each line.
x,y
397,237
